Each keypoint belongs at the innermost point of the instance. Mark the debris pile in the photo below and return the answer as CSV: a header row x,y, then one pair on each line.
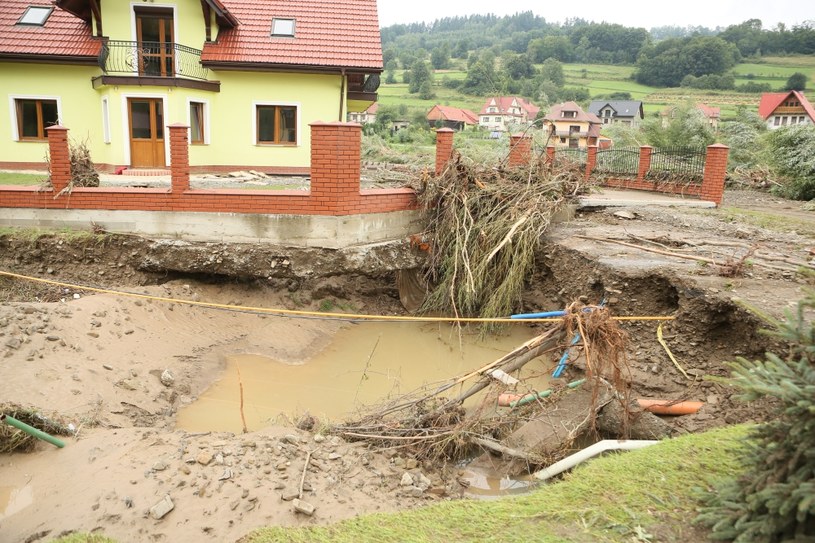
x,y
14,440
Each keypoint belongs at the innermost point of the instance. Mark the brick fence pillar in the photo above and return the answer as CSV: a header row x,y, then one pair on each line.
x,y
444,148
520,150
715,172
335,167
645,161
550,154
59,157
179,158
591,160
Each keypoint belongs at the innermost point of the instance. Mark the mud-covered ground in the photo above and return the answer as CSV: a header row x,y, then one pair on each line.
x,y
119,368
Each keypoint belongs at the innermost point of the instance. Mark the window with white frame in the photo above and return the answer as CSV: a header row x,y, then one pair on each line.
x,y
35,15
198,123
283,27
33,116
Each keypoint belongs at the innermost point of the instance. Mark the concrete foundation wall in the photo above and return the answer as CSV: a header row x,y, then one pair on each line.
x,y
331,232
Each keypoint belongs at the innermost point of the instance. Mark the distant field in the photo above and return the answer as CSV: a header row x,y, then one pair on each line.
x,y
603,79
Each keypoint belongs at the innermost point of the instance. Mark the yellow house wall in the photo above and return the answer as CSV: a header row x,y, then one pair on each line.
x,y
119,22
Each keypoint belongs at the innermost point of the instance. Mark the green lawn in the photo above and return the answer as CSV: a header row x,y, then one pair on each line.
x,y
645,495
14,178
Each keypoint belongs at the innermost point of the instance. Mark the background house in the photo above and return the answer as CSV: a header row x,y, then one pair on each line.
x,y
785,109
451,117
627,112
247,77
365,117
569,126
500,112
711,114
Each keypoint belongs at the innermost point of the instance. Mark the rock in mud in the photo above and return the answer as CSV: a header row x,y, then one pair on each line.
x,y
160,510
641,424
303,507
167,378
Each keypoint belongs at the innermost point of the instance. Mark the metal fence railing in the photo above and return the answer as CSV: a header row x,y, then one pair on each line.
x,y
677,164
151,59
618,161
571,156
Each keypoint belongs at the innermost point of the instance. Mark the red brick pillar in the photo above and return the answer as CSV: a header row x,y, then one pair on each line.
x,y
591,160
335,167
520,150
179,158
444,148
59,156
645,161
715,172
550,154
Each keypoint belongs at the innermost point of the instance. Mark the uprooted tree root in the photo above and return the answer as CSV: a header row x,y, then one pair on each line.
x,y
15,440
431,425
484,228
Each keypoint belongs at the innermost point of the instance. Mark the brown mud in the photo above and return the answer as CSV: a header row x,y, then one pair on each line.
x,y
121,368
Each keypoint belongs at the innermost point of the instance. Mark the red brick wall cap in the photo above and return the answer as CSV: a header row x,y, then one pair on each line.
x,y
445,130
336,123
523,135
178,125
56,128
718,146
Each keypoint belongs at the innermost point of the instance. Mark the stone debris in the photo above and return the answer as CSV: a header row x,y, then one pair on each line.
x,y
160,510
167,378
204,458
303,507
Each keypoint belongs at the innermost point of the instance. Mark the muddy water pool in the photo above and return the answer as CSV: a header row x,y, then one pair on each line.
x,y
363,365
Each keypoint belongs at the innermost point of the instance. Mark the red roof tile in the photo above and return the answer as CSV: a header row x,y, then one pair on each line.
x,y
454,114
709,112
338,33
62,35
771,100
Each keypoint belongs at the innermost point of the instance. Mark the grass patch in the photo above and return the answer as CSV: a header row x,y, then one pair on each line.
x,y
617,498
14,178
770,221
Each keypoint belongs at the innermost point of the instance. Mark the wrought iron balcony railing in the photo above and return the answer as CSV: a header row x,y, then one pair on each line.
x,y
151,59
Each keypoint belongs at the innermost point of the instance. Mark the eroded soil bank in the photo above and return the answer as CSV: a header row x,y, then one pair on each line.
x,y
97,360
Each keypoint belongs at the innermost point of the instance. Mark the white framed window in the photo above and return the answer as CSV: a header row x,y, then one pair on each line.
x,y
276,123
32,114
198,121
283,27
105,120
35,15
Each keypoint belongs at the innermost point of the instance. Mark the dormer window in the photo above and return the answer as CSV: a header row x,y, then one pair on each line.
x,y
35,15
569,114
283,27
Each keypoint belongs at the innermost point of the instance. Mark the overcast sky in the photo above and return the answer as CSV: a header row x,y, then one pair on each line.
x,y
709,13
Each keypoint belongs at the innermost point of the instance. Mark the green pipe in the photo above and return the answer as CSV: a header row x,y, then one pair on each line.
x,y
545,394
30,430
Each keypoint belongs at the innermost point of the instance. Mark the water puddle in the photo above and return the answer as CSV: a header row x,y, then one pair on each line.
x,y
489,484
14,499
363,365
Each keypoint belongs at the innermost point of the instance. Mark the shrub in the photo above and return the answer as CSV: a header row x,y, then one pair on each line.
x,y
774,501
791,155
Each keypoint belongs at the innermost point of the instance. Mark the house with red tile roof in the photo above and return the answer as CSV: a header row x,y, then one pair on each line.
x,y
502,112
451,117
711,114
788,108
569,126
364,117
248,77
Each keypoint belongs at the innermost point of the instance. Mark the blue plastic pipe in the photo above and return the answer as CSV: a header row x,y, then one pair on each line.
x,y
544,315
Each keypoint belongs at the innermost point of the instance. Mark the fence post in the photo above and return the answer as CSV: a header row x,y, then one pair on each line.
x,y
59,156
179,158
645,161
444,148
550,155
715,172
520,150
335,167
591,160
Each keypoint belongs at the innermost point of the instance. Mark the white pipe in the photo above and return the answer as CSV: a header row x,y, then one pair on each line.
x,y
590,452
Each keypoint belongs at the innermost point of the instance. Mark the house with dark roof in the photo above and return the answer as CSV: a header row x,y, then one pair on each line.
x,y
569,126
451,117
247,77
501,112
789,108
627,112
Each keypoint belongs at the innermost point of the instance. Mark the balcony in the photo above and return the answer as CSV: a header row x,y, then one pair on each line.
x,y
152,64
571,133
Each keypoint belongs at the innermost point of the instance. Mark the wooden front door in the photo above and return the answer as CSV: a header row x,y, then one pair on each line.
x,y
154,31
146,116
